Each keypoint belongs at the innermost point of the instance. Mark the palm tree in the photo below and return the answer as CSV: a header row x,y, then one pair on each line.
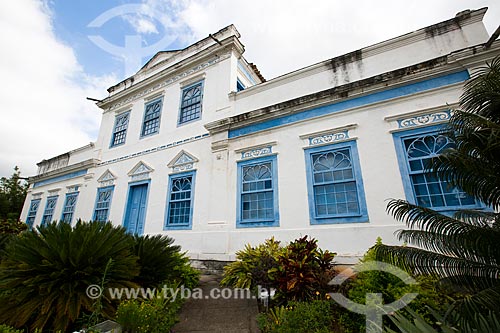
x,y
159,260
462,250
44,274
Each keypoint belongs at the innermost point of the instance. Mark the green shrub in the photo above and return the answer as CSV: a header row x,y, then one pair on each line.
x,y
156,315
393,288
298,317
183,273
303,271
8,329
12,226
252,266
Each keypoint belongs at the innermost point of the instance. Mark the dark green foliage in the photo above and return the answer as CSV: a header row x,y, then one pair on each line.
x,y
298,317
45,273
474,164
393,288
303,272
182,272
252,266
408,321
7,329
160,261
461,250
13,227
156,315
12,196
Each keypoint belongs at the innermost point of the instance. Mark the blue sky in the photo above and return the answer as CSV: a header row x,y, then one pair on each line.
x,y
49,62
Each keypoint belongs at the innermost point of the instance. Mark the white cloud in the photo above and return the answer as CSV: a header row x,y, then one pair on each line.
x,y
141,24
284,36
43,111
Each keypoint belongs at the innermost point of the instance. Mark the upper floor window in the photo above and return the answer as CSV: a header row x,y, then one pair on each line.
x,y
49,210
239,85
30,218
257,193
180,201
415,150
103,203
336,193
191,100
120,129
69,207
152,112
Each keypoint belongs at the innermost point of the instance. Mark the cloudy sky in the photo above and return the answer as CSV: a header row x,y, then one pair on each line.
x,y
56,53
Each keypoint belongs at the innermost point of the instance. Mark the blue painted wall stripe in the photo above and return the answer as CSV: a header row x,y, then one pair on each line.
x,y
355,102
60,178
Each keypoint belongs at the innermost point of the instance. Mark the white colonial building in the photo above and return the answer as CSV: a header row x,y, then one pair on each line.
x,y
199,146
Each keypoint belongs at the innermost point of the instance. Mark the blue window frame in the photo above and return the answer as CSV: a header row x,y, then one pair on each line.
x,y
152,113
415,148
180,200
191,102
69,207
120,129
30,218
257,201
103,203
49,209
335,185
239,85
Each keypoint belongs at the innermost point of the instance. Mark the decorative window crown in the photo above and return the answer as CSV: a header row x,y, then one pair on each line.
x,y
183,161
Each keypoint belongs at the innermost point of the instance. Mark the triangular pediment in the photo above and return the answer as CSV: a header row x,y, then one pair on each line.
x,y
183,157
106,176
140,168
158,58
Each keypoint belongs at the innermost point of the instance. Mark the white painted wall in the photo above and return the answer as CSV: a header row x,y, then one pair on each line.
x,y
214,234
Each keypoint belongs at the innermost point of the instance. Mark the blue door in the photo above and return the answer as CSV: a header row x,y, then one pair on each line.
x,y
136,209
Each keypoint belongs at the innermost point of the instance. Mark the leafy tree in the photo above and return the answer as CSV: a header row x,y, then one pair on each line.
x,y
12,195
462,250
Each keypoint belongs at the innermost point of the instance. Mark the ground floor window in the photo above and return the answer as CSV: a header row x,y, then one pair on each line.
x,y
180,200
415,149
103,203
69,207
30,218
258,193
49,210
335,185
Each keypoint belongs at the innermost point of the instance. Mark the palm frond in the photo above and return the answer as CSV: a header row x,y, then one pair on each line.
x,y
421,262
477,217
477,245
482,94
427,219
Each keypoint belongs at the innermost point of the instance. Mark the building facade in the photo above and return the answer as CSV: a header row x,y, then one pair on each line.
x,y
198,146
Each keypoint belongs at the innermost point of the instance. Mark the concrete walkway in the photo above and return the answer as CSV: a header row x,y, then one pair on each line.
x,y
217,315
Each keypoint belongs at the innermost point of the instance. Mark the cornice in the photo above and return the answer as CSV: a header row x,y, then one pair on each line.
x,y
173,73
359,88
461,20
90,163
454,62
419,112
